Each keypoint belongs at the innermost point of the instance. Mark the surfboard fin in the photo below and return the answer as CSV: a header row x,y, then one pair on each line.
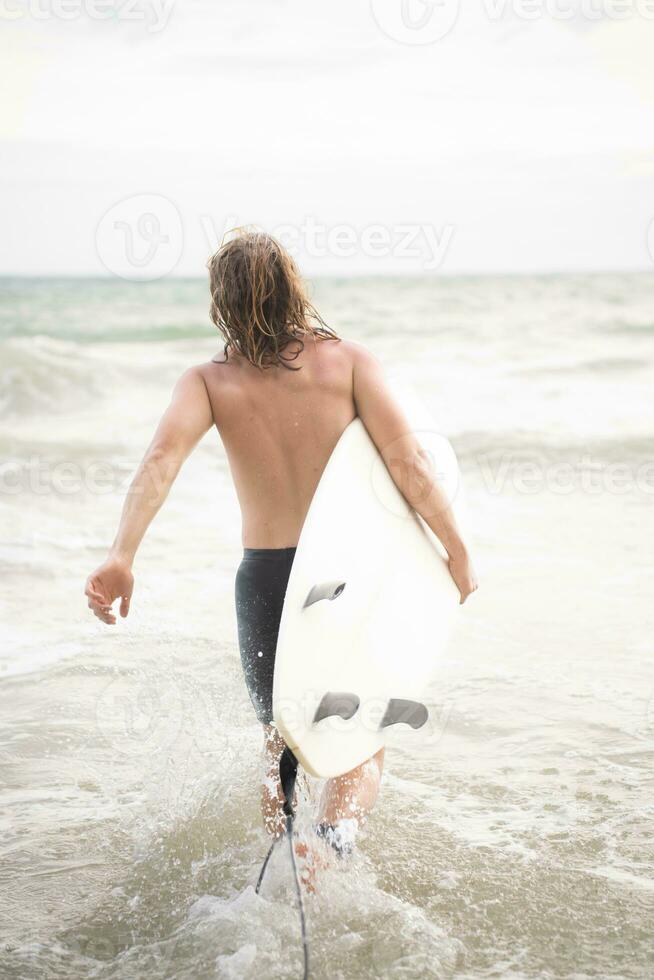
x,y
399,711
337,703
325,590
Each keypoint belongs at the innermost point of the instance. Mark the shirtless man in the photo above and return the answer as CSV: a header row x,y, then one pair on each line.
x,y
280,396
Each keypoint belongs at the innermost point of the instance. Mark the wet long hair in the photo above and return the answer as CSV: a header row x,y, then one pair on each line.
x,y
259,301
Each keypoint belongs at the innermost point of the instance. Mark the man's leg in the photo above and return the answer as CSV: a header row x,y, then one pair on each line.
x,y
352,795
348,797
272,797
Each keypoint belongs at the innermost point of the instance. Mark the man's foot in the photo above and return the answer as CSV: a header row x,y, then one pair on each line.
x,y
311,861
340,836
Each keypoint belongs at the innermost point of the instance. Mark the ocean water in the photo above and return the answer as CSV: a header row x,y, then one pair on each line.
x,y
514,837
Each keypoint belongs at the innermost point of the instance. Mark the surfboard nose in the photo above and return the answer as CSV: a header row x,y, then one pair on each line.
x,y
400,711
340,704
325,590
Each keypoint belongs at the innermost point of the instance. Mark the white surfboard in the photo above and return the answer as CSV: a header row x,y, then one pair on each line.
x,y
368,610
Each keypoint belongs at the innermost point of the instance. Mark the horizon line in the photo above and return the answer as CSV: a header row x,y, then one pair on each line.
x,y
458,274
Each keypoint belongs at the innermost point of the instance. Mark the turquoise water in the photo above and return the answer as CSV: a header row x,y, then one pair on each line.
x,y
514,837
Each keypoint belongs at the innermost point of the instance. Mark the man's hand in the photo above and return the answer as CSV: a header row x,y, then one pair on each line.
x,y
112,580
463,574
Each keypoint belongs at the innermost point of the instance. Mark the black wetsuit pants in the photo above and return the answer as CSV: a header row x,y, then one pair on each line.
x,y
261,583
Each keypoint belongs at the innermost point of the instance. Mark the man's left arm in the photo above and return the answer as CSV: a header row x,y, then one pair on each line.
x,y
185,421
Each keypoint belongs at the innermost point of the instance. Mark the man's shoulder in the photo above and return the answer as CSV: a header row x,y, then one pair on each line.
x,y
351,349
202,379
357,353
210,369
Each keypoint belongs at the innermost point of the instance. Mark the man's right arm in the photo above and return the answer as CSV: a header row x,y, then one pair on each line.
x,y
409,464
185,421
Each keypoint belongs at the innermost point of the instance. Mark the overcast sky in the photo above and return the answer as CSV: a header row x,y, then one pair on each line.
x,y
372,135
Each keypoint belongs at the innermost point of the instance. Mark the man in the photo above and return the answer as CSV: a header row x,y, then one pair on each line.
x,y
280,396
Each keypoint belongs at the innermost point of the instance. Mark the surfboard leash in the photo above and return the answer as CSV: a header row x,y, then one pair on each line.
x,y
287,776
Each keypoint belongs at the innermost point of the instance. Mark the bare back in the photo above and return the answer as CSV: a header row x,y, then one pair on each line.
x,y
279,428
